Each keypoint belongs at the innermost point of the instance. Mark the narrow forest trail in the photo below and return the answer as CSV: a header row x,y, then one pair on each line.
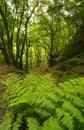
x,y
43,68
4,70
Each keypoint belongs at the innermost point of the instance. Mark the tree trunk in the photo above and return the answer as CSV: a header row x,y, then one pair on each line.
x,y
27,64
51,49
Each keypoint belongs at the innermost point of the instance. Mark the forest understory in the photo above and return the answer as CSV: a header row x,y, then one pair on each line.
x,y
41,65
71,68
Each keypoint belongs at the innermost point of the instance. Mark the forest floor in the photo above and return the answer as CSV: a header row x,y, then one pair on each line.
x,y
61,71
4,70
43,68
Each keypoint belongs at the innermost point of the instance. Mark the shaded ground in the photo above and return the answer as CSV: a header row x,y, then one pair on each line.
x,y
4,70
70,68
61,71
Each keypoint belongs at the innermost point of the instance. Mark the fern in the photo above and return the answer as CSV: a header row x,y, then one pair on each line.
x,y
68,106
65,118
16,125
7,123
37,101
51,124
33,124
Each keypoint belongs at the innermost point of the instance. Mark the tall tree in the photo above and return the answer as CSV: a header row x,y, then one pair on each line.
x,y
15,15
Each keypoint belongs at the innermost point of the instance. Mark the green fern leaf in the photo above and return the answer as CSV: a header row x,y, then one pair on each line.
x,y
73,110
51,124
7,123
32,124
65,118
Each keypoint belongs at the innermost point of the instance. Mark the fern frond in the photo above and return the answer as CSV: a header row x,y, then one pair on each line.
x,y
65,118
7,123
51,124
45,107
32,124
73,110
43,112
67,121
17,123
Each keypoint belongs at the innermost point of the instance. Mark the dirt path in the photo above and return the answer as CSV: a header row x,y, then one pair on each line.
x,y
43,68
4,70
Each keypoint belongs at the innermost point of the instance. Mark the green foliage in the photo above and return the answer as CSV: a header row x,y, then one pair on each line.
x,y
37,104
33,124
6,125
48,28
51,124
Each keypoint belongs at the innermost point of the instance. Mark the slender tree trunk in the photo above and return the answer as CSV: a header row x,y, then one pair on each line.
x,y
51,49
27,64
17,38
5,52
25,37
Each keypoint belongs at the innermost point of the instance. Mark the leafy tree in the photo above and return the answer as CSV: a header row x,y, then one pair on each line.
x,y
37,27
15,15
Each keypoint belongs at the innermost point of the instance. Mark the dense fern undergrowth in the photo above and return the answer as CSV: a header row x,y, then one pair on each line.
x,y
36,103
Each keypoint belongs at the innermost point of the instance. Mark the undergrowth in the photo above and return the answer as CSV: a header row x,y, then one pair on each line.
x,y
35,103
